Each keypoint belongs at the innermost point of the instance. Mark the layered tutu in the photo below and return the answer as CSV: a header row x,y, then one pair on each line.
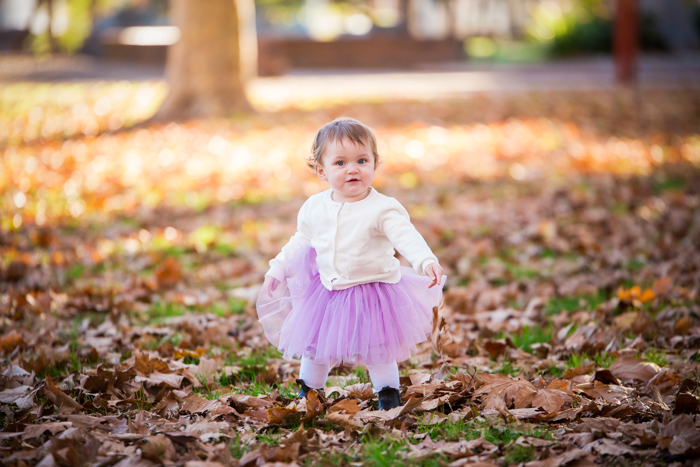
x,y
369,323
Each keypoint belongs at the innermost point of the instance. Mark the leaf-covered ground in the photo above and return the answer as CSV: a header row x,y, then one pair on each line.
x,y
568,225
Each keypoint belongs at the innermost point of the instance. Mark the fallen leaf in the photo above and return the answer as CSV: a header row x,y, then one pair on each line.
x,y
682,326
629,370
63,401
550,400
346,420
362,391
278,415
146,365
10,396
160,447
680,436
169,273
156,378
34,431
686,403
10,341
313,406
517,394
346,405
194,404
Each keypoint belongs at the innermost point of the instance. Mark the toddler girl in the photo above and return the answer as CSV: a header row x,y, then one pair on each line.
x,y
336,293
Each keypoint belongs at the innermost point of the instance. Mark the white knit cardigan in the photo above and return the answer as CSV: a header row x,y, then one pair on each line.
x,y
355,242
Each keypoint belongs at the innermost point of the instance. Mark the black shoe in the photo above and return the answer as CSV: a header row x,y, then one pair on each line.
x,y
389,398
303,389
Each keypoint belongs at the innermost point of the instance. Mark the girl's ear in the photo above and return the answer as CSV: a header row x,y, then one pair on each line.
x,y
320,172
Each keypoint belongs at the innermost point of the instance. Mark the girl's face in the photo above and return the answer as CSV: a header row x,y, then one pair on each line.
x,y
349,169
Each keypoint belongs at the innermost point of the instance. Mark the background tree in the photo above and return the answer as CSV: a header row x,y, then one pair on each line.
x,y
208,68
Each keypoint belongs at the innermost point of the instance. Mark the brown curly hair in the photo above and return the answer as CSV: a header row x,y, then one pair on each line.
x,y
341,128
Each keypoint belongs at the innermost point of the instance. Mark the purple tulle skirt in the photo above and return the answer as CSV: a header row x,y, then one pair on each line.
x,y
369,323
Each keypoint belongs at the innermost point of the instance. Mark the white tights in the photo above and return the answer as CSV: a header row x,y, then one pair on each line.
x,y
382,375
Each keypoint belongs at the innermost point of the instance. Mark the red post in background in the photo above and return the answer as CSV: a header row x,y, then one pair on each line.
x,y
626,39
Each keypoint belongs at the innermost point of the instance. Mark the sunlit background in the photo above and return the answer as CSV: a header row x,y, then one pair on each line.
x,y
561,198
492,91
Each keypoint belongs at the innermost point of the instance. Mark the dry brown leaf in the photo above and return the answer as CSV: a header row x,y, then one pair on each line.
x,y
346,405
346,420
495,348
680,436
63,401
11,340
156,378
517,394
385,415
686,403
424,390
34,431
362,391
245,401
610,393
605,376
146,365
160,447
577,457
10,396
610,447
313,406
194,404
550,400
206,427
169,273
278,415
330,390
440,335
629,370
682,326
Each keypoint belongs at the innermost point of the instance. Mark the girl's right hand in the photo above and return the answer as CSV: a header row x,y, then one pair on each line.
x,y
270,285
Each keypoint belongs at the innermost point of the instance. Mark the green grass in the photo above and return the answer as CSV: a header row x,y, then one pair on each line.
x,y
656,356
447,431
670,184
235,306
508,369
75,272
160,312
527,336
576,303
600,360
237,448
554,372
382,453
634,265
517,454
576,360
604,360
450,430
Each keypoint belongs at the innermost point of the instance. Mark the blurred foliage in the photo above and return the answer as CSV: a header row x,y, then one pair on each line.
x,y
68,150
580,26
79,17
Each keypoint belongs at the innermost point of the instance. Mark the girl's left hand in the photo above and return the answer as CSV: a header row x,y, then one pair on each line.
x,y
434,271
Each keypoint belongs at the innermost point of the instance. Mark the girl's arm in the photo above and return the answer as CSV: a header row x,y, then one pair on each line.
x,y
395,223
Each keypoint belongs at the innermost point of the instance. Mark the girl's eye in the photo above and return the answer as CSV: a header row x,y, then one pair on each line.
x,y
340,163
362,161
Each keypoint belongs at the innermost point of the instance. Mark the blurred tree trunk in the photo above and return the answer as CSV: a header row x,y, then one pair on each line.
x,y
217,51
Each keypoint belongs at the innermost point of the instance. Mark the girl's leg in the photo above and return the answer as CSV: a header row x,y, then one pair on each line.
x,y
384,375
314,374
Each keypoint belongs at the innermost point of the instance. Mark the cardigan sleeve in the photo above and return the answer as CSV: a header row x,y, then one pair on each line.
x,y
396,225
278,265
